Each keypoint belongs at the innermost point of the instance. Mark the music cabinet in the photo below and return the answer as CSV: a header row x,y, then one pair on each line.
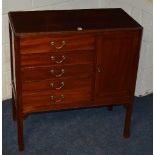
x,y
67,59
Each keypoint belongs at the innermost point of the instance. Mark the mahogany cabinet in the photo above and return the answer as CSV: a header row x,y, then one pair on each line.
x,y
70,59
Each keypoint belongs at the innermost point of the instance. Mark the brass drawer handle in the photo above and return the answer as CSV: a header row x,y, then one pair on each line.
x,y
58,75
58,47
58,62
54,100
57,88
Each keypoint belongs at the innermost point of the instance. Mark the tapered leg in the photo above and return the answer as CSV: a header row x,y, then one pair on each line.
x,y
129,108
20,133
110,107
14,113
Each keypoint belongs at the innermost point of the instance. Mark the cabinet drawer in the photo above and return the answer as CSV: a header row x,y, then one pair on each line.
x,y
57,43
58,85
51,99
56,72
76,57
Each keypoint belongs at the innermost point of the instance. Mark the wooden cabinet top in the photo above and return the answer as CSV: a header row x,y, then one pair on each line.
x,y
53,21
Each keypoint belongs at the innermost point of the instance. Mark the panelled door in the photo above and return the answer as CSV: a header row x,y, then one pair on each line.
x,y
117,60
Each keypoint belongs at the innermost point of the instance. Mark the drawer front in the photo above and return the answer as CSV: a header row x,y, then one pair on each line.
x,y
50,99
76,57
51,43
57,85
56,72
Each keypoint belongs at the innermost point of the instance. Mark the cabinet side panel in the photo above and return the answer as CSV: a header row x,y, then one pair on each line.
x,y
16,72
135,60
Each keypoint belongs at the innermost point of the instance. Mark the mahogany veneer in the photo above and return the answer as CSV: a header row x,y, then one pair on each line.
x,y
70,59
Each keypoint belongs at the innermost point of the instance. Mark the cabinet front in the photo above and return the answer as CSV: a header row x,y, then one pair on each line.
x,y
116,69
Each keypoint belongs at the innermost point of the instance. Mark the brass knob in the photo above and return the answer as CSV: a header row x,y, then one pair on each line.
x,y
98,70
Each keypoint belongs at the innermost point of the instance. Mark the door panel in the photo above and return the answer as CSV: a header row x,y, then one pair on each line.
x,y
116,52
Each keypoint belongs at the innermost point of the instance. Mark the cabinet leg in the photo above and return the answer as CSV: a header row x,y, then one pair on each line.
x,y
110,107
20,133
129,108
14,113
